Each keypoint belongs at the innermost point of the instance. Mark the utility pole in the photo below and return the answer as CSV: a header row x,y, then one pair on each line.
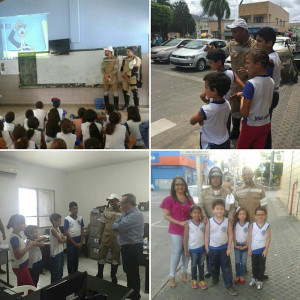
x,y
271,169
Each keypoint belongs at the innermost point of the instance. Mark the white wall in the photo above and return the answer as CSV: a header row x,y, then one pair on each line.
x,y
31,177
88,188
96,184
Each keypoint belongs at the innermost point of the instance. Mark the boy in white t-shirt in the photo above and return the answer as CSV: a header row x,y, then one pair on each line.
x,y
74,230
266,38
40,114
215,116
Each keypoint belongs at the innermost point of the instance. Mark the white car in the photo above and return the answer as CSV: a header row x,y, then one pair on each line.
x,y
283,41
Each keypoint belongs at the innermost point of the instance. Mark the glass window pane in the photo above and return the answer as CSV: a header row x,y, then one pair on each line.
x,y
44,221
27,202
46,203
31,221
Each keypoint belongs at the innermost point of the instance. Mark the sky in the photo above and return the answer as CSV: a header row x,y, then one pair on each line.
x,y
291,6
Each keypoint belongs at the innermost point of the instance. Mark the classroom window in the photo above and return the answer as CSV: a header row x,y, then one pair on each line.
x,y
36,205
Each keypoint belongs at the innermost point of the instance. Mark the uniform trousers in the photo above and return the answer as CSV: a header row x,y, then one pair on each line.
x,y
23,276
258,266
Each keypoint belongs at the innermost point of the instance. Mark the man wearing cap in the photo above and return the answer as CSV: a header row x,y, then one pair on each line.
x,y
130,71
109,69
108,238
130,230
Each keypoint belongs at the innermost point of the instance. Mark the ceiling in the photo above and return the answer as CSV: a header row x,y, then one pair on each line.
x,y
70,161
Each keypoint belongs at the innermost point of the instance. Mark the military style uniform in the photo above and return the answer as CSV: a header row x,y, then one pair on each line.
x,y
108,237
237,52
110,67
208,196
250,197
131,67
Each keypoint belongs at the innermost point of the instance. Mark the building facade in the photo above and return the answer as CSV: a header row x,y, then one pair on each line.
x,y
264,14
225,32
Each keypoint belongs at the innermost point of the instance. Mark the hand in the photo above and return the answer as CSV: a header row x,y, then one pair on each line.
x,y
249,252
207,250
80,245
183,223
243,71
187,253
205,220
243,248
239,94
265,253
18,25
228,252
4,236
106,77
30,244
201,123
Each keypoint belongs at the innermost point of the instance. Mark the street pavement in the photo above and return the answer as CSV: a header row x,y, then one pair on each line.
x,y
282,266
175,98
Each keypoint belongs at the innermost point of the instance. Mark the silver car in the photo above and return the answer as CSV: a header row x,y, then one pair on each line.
x,y
163,52
193,54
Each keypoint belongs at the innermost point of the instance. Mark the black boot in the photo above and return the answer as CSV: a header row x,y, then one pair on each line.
x,y
136,98
106,100
100,271
113,273
126,100
235,129
116,102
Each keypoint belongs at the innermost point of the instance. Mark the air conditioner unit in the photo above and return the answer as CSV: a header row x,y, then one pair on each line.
x,y
9,170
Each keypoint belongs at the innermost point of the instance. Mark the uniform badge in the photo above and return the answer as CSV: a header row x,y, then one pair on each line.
x,y
245,229
202,229
263,232
223,229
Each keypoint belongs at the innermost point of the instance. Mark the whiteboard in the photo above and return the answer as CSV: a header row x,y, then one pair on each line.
x,y
81,67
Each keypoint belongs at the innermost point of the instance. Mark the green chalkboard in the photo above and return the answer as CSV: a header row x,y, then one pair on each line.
x,y
29,71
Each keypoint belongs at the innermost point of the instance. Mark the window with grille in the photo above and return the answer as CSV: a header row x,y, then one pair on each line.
x,y
36,205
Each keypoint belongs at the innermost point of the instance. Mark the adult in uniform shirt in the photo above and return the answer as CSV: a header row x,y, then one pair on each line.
x,y
250,195
109,69
237,48
212,193
130,72
108,237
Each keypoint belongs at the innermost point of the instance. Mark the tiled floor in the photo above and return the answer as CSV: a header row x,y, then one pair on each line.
x,y
85,264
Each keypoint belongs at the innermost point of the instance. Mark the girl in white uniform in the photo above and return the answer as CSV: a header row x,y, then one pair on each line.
x,y
35,135
194,247
240,237
40,114
259,240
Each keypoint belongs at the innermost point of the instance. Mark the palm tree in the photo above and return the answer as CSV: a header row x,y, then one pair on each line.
x,y
164,2
217,8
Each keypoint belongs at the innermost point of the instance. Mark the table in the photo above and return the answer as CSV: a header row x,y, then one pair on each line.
x,y
4,260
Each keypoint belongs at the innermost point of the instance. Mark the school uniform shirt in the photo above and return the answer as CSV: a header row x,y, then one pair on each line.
x,y
9,126
214,129
16,240
259,238
70,139
62,113
196,237
74,227
35,256
37,138
56,247
134,130
40,114
275,71
25,124
260,91
241,233
31,145
7,136
218,236
230,74
85,129
117,139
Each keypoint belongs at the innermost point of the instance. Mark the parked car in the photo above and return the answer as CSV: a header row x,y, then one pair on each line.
x,y
163,52
193,54
283,41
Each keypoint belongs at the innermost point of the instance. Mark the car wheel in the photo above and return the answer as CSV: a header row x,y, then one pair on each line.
x,y
200,66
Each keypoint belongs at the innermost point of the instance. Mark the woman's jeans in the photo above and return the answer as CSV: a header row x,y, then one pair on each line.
x,y
197,260
240,261
177,252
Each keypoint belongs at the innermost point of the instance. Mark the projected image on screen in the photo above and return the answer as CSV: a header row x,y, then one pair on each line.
x,y
28,33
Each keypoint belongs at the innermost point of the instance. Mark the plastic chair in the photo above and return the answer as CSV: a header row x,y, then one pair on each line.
x,y
23,289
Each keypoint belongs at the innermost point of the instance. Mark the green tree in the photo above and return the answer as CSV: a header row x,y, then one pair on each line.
x,y
164,2
161,17
277,173
183,21
218,8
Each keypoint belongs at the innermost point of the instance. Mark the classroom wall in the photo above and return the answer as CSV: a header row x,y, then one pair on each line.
x,y
92,24
31,177
96,184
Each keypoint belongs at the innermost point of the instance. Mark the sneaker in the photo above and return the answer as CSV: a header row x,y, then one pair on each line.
x,y
203,285
213,283
232,291
259,285
194,284
253,282
207,275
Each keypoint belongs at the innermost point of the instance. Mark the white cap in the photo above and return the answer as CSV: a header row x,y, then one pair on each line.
x,y
238,23
109,48
112,196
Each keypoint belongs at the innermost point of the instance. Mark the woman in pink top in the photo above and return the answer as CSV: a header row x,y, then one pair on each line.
x,y
177,211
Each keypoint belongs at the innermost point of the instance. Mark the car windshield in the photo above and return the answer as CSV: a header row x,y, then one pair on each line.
x,y
193,191
280,42
195,44
172,42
